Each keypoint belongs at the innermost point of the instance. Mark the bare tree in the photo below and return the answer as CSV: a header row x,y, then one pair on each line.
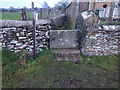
x,y
11,9
45,5
61,5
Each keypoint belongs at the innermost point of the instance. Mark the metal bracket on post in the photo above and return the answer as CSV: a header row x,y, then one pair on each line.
x,y
34,31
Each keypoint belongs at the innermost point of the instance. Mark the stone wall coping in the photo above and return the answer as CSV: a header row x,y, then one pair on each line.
x,y
105,28
15,23
110,27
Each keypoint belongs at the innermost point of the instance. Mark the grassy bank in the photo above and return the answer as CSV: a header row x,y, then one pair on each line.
x,y
20,70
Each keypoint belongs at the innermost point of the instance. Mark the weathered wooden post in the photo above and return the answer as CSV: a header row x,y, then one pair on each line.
x,y
53,13
45,13
22,18
48,13
34,31
40,13
59,12
23,14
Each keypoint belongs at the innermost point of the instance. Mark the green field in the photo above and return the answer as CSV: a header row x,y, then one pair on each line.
x,y
14,15
17,15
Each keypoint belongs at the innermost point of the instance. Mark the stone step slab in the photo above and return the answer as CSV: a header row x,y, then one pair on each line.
x,y
67,55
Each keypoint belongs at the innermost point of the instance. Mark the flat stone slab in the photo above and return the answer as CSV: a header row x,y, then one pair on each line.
x,y
67,55
65,51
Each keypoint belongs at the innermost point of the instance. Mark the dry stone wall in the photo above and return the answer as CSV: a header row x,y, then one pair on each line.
x,y
18,35
102,42
97,42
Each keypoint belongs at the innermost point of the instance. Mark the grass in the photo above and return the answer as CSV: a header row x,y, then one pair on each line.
x,y
14,15
45,72
67,25
111,23
17,15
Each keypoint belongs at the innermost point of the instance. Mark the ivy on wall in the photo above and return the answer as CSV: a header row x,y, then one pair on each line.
x,y
81,34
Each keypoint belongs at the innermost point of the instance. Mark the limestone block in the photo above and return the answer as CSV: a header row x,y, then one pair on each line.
x,y
105,40
1,36
36,34
41,27
30,50
12,50
22,33
23,46
30,33
0,44
107,48
21,37
41,33
24,30
14,41
44,40
41,37
0,47
27,48
17,34
31,46
19,44
17,50
41,45
115,47
10,46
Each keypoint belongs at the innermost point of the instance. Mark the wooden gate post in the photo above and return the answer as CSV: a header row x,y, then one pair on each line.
x,y
48,13
23,14
34,31
40,13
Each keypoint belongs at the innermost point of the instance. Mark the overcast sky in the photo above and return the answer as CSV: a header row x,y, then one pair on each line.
x,y
27,3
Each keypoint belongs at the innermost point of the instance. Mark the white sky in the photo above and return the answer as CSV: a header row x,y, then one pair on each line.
x,y
37,3
27,3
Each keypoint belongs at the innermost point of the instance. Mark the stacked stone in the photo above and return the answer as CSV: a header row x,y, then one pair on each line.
x,y
42,37
20,38
102,43
1,38
100,40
